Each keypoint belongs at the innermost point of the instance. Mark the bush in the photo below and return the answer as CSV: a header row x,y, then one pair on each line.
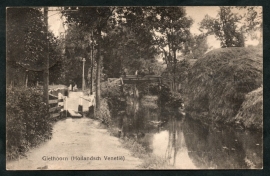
x,y
27,120
148,89
103,113
167,98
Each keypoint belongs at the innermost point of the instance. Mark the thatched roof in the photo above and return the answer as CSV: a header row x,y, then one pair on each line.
x,y
219,81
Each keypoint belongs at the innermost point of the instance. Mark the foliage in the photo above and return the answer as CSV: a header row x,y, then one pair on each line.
x,y
197,46
218,82
77,46
173,32
148,89
225,27
103,113
111,88
182,69
251,112
27,43
94,19
252,20
27,123
169,99
174,27
129,42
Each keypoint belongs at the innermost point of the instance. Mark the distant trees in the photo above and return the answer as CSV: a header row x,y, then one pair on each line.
x,y
252,21
196,46
225,27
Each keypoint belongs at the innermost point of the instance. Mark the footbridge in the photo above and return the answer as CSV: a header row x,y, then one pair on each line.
x,y
135,79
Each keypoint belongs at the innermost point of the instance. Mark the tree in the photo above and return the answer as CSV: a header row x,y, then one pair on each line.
x,y
173,28
225,27
196,46
252,22
96,19
76,48
129,42
27,43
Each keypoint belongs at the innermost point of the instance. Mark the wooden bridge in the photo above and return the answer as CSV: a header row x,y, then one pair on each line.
x,y
135,79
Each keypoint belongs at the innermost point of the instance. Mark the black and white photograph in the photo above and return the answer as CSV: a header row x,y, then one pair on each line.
x,y
134,87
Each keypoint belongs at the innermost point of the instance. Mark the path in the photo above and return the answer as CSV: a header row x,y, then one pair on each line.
x,y
77,137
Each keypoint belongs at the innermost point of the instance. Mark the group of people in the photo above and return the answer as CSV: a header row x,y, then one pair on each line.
x,y
141,72
73,88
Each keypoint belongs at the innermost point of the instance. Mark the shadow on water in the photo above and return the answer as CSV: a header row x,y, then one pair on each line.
x,y
186,143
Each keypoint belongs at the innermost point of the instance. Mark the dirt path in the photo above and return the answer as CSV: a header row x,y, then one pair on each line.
x,y
74,139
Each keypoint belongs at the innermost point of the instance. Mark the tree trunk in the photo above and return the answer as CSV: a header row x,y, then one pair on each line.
x,y
92,65
98,71
174,69
46,70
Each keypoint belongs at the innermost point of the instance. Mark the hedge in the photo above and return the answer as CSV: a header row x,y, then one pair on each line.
x,y
27,121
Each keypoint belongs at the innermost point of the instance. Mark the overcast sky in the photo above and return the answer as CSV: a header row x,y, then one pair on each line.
x,y
197,13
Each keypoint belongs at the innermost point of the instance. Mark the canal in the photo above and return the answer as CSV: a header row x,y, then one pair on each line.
x,y
185,143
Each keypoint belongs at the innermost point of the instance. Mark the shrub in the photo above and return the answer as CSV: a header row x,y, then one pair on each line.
x,y
27,120
148,89
103,113
169,99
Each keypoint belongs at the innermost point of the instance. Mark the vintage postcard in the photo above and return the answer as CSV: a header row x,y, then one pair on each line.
x,y
134,88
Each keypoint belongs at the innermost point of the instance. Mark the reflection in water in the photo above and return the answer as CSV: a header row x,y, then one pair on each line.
x,y
186,143
211,147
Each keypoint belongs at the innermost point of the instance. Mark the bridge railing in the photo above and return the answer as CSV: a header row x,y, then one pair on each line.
x,y
133,79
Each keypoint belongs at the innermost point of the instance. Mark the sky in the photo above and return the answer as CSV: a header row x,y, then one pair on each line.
x,y
197,13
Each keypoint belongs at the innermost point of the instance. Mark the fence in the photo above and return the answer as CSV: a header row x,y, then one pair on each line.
x,y
55,106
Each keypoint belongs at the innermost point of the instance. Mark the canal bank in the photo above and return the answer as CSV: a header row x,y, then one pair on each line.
x,y
164,139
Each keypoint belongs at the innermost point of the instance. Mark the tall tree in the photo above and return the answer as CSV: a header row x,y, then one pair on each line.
x,y
128,43
76,47
225,27
96,19
173,31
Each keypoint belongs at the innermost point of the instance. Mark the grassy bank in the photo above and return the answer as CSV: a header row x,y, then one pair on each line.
x,y
251,111
218,82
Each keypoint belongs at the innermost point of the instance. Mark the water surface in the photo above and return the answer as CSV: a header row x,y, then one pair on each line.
x,y
186,143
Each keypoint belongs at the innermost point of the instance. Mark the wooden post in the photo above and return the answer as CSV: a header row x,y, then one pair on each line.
x,y
80,107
